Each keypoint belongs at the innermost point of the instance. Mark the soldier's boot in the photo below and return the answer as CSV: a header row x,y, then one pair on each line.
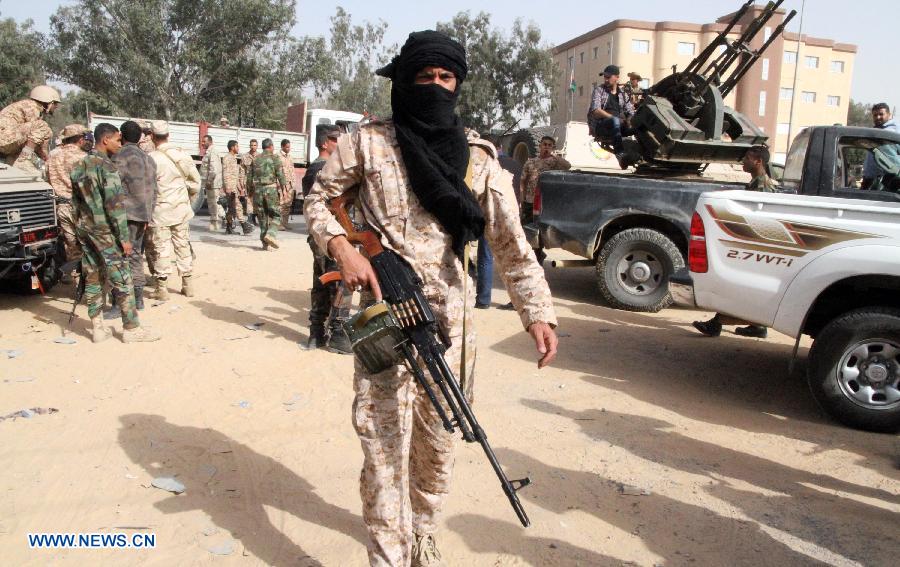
x,y
112,313
270,240
246,227
139,335
139,297
338,341
252,217
214,226
99,332
187,285
161,292
316,337
285,217
229,228
425,552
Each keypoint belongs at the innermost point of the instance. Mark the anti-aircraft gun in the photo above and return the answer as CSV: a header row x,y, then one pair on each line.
x,y
682,124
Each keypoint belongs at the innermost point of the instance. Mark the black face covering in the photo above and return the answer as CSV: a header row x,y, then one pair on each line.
x,y
431,136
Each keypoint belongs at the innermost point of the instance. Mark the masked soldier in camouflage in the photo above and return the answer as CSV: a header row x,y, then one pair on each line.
x,y
265,180
23,131
232,184
102,228
412,173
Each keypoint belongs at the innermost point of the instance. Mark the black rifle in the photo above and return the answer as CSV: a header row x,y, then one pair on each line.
x,y
401,288
79,291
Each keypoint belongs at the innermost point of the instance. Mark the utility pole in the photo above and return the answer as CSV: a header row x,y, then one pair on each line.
x,y
794,86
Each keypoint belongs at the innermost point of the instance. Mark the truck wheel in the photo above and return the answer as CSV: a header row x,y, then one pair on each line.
x,y
854,369
633,270
524,145
198,201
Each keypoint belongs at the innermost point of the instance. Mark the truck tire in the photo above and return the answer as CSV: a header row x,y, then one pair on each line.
x,y
854,369
523,145
633,270
198,202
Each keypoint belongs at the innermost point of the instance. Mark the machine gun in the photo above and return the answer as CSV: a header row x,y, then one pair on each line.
x,y
386,334
681,122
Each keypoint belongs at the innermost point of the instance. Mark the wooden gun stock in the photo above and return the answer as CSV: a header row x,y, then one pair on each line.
x,y
367,238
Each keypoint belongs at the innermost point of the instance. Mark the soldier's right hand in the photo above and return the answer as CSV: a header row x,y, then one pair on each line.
x,y
356,271
127,248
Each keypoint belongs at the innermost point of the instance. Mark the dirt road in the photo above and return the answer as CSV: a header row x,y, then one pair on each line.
x,y
646,443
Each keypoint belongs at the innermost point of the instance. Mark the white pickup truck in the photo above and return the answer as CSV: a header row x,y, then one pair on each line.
x,y
823,262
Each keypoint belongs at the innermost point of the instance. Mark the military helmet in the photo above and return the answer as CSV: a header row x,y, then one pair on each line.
x,y
45,94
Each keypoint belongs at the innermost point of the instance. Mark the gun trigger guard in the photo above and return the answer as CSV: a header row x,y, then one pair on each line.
x,y
520,483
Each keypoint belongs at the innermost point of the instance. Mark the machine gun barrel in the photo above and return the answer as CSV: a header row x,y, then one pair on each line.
x,y
722,39
730,83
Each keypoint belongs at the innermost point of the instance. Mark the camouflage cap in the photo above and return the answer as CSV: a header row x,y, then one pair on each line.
x,y
73,130
160,127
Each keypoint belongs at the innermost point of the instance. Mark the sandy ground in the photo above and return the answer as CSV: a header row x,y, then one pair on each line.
x,y
646,443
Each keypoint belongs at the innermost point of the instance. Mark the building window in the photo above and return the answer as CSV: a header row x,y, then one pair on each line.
x,y
786,94
834,100
685,48
765,69
645,83
720,50
595,52
609,49
837,66
571,62
790,57
762,103
767,33
808,96
811,62
783,128
581,91
640,46
581,57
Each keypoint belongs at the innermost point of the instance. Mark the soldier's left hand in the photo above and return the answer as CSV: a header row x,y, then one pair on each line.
x,y
545,340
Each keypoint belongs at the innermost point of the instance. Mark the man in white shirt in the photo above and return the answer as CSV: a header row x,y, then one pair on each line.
x,y
177,182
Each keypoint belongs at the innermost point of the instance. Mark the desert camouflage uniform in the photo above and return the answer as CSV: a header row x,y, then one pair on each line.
x,y
102,227
763,183
59,169
287,194
408,456
21,122
146,143
265,179
211,176
232,184
246,162
176,186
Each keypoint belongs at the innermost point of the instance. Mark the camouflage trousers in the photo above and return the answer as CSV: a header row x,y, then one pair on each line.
x,y
66,216
136,231
167,239
103,264
266,203
286,199
216,211
235,211
321,297
408,456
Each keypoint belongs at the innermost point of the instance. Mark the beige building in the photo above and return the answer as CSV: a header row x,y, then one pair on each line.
x,y
823,68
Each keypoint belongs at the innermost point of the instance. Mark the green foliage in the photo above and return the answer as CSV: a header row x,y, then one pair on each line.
x,y
183,59
355,52
510,76
859,114
75,106
22,63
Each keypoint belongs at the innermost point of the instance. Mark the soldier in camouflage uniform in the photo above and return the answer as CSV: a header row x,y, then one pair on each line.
x,y
246,161
264,181
287,194
756,163
408,456
23,131
211,181
59,168
102,228
232,184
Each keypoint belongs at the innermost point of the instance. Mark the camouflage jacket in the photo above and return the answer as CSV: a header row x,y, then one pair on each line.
x,y
246,162
265,171
211,169
370,158
287,166
59,167
21,112
231,173
98,200
763,183
137,171
532,171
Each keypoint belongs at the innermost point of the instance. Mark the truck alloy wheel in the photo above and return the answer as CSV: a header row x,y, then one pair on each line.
x,y
854,369
633,270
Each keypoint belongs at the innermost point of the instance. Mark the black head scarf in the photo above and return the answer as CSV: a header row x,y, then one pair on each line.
x,y
431,135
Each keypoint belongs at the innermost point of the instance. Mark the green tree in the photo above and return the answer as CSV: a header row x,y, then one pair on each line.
x,y
182,59
510,76
859,114
22,62
354,53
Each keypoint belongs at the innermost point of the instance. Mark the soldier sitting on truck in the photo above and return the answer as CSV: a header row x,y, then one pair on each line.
x,y
756,163
23,130
611,111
